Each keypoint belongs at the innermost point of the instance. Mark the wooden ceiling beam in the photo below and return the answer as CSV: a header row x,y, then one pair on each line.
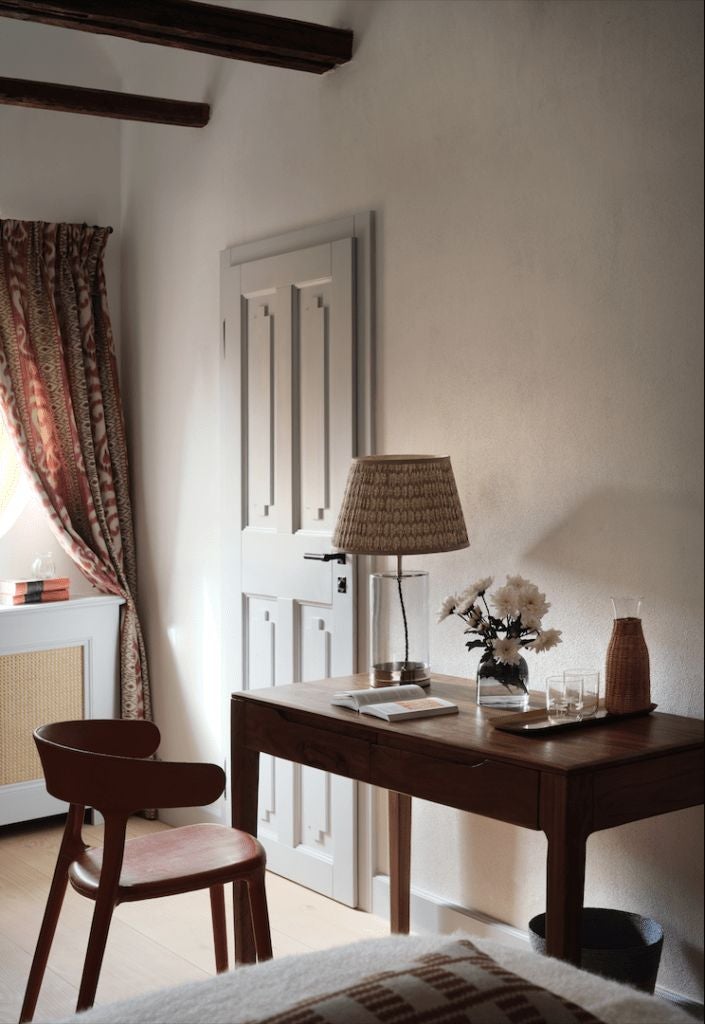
x,y
239,35
102,103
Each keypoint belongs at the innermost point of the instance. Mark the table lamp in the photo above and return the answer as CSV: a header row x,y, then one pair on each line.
x,y
400,505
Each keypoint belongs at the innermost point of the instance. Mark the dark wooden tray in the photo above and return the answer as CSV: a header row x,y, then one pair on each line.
x,y
536,723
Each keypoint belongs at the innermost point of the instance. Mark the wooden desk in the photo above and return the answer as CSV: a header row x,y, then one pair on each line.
x,y
568,786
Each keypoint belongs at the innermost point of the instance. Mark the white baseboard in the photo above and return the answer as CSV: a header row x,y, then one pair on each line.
x,y
430,915
178,816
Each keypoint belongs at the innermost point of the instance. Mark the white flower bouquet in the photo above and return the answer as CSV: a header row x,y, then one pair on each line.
x,y
517,623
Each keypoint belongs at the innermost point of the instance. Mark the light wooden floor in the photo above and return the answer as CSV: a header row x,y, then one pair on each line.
x,y
151,944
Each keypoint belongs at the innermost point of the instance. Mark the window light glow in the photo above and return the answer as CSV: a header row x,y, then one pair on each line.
x,y
13,487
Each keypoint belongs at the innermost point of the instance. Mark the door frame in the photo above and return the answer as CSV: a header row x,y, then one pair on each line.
x,y
361,227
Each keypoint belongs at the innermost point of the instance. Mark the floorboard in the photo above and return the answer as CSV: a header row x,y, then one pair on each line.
x,y
151,944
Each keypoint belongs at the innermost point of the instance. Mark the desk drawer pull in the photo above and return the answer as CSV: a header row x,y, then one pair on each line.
x,y
324,759
495,789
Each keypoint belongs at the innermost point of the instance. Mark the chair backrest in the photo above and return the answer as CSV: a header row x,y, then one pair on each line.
x,y
105,736
97,763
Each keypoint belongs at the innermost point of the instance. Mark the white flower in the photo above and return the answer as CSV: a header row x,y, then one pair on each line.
x,y
465,602
505,602
518,582
531,604
546,640
475,616
506,650
521,606
448,607
482,585
466,599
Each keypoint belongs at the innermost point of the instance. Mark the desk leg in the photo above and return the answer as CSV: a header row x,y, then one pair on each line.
x,y
399,861
244,782
566,806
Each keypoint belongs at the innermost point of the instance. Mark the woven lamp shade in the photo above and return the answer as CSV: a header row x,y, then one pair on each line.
x,y
400,505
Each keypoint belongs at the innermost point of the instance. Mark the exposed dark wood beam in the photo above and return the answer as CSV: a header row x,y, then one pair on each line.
x,y
102,103
241,35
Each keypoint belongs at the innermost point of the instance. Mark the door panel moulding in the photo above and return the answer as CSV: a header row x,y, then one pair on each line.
x,y
205,28
254,263
73,99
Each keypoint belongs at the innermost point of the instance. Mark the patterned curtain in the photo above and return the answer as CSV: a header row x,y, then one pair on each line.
x,y
60,399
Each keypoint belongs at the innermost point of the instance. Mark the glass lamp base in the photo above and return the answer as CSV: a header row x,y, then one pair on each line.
x,y
390,672
399,628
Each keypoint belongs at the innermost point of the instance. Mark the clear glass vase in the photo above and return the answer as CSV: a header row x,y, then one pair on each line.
x,y
502,686
399,628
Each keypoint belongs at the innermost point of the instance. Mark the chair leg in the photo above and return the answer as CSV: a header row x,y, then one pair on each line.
x,y
102,916
260,917
46,937
245,952
220,935
113,850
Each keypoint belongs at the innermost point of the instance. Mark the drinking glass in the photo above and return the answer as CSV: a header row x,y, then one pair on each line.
x,y
43,566
564,698
590,689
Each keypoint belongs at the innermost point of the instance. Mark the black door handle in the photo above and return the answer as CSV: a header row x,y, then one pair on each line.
x,y
326,556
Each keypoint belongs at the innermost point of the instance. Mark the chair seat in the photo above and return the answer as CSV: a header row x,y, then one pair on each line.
x,y
177,860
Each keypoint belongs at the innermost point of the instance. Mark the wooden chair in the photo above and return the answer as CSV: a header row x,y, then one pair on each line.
x,y
99,764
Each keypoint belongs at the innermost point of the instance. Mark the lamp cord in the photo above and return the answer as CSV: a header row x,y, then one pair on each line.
x,y
403,614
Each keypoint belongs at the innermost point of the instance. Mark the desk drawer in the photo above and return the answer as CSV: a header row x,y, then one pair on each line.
x,y
492,788
271,731
634,791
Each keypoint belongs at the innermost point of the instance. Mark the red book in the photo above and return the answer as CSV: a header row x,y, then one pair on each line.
x,y
18,588
41,598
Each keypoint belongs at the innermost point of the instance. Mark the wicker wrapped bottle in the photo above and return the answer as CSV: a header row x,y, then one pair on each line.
x,y
627,681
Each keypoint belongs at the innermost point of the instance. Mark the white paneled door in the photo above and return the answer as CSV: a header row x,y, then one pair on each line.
x,y
289,418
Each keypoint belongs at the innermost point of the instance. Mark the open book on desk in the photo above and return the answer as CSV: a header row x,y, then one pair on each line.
x,y
394,703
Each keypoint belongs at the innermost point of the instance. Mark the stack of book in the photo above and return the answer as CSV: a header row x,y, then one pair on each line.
x,y
16,592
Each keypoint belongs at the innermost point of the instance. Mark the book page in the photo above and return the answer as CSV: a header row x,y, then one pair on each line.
x,y
424,704
416,708
377,695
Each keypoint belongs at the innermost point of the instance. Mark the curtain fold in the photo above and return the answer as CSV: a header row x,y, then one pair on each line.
x,y
60,398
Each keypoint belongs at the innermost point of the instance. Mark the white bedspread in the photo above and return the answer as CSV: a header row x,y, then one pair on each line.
x,y
261,990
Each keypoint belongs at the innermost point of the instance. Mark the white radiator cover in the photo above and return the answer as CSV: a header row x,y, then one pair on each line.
x,y
57,661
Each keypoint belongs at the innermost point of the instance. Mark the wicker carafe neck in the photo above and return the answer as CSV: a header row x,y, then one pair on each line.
x,y
627,682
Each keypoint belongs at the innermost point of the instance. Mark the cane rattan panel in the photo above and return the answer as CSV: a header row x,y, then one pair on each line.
x,y
36,687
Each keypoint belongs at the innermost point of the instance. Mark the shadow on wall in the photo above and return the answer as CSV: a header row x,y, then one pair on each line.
x,y
352,14
636,542
653,867
173,493
624,870
694,958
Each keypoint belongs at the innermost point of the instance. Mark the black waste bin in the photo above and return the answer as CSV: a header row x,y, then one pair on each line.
x,y
615,944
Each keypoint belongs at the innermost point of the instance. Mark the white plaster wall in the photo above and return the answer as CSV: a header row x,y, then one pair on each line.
x,y
56,167
536,169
